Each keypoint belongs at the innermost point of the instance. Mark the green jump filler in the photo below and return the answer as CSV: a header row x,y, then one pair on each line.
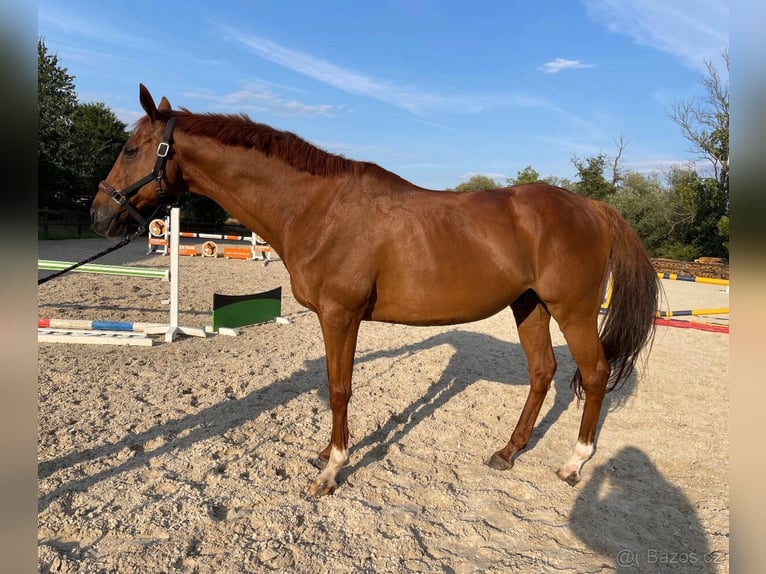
x,y
239,310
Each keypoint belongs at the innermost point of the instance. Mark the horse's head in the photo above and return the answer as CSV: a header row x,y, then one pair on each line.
x,y
144,175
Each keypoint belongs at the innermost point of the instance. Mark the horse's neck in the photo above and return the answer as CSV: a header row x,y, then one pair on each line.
x,y
264,194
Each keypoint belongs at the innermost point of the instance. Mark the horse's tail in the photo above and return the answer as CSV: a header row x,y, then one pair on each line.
x,y
629,324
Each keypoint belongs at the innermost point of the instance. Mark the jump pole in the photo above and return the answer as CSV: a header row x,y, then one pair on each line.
x,y
692,312
97,337
149,272
118,333
693,279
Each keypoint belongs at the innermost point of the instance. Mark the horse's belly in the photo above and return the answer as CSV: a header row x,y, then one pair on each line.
x,y
441,304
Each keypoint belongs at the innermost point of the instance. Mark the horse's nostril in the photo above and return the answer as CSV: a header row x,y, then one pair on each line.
x,y
94,217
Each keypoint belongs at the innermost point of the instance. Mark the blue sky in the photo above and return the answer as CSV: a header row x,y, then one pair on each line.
x,y
435,91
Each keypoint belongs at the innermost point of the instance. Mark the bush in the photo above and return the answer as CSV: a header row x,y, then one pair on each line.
x,y
678,251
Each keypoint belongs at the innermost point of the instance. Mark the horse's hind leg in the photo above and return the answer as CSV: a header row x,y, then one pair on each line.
x,y
588,353
533,322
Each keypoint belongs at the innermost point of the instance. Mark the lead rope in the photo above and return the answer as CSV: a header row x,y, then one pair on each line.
x,y
122,243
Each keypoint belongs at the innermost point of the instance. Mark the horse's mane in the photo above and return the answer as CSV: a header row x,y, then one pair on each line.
x,y
240,130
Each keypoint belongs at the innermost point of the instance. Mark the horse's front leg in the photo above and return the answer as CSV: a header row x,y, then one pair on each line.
x,y
340,329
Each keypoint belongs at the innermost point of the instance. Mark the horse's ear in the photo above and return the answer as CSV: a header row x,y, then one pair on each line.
x,y
164,105
147,102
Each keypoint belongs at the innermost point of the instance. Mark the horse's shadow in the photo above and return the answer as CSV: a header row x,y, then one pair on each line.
x,y
476,357
629,512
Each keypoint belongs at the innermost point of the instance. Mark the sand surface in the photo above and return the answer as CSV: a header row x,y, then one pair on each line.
x,y
193,456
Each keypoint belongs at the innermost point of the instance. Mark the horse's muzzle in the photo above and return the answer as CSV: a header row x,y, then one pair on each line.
x,y
107,223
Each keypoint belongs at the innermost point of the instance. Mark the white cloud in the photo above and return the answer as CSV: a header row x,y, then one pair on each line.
x,y
333,75
258,97
559,64
409,98
691,30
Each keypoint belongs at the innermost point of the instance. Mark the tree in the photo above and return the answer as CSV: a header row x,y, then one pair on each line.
x,y
562,182
711,205
696,206
591,182
57,102
98,137
477,183
683,183
704,122
643,202
526,175
723,231
616,172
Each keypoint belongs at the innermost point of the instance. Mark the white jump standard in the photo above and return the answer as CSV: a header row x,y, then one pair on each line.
x,y
60,331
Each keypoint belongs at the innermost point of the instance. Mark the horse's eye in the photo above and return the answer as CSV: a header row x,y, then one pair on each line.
x,y
129,151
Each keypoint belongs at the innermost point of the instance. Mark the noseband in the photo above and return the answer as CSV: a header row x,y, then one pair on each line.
x,y
122,196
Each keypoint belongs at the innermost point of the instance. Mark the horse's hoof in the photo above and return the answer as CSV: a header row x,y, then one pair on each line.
x,y
497,462
322,487
571,478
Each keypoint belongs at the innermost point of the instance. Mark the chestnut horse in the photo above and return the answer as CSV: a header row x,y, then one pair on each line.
x,y
361,243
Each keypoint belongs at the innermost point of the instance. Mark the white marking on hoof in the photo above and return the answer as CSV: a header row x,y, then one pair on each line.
x,y
570,472
325,482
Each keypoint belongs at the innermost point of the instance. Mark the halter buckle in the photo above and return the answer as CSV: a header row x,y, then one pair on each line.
x,y
163,149
119,197
115,194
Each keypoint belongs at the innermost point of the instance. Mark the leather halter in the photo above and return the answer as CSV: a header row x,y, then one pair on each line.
x,y
122,196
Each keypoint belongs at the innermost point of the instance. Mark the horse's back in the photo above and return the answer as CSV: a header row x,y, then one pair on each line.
x,y
505,227
455,257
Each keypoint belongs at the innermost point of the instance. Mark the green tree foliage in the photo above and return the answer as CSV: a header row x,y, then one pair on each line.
x,y
711,205
477,183
562,182
643,202
77,143
526,175
531,175
591,181
98,137
723,231
677,219
696,205
56,102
